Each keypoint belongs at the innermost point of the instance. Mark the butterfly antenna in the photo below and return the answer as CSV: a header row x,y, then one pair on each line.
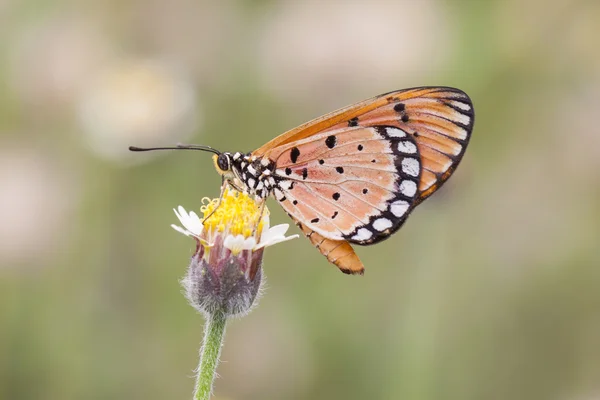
x,y
178,147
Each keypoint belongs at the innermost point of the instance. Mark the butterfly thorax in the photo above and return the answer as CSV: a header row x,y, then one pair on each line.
x,y
254,173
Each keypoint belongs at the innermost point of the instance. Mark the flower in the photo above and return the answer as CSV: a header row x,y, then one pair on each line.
x,y
225,272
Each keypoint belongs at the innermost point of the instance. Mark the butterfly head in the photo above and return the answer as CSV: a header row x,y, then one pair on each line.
x,y
223,164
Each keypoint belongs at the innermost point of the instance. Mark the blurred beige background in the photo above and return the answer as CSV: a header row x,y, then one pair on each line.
x,y
490,291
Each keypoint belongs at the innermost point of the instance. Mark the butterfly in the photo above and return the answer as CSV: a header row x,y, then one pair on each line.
x,y
354,175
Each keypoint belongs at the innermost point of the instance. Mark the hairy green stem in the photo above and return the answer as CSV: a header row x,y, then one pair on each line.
x,y
214,331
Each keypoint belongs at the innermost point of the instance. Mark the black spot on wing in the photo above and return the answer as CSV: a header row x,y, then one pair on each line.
x,y
331,141
400,107
294,154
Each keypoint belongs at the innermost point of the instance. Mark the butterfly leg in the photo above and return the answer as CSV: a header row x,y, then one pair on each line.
x,y
223,187
262,210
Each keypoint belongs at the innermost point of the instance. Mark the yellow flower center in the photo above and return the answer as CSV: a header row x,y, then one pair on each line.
x,y
237,213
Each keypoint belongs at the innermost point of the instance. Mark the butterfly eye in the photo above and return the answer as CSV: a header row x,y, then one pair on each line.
x,y
223,162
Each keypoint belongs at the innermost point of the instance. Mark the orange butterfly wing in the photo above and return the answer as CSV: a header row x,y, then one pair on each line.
x,y
383,176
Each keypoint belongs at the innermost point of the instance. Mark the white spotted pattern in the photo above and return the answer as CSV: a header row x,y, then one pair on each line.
x,y
410,166
362,234
407,147
251,182
395,132
251,170
381,224
399,207
408,188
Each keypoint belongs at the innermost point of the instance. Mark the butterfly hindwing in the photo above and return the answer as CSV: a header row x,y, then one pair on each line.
x,y
355,184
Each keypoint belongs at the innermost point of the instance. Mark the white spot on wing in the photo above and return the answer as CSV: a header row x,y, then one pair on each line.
x,y
461,105
381,224
462,118
408,188
251,182
278,194
407,147
460,132
285,184
236,156
363,234
399,207
410,166
395,132
252,170
272,181
264,162
260,185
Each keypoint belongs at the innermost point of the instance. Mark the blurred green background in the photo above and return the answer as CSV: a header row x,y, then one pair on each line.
x,y
490,291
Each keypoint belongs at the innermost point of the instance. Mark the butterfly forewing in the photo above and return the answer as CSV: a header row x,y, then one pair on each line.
x,y
354,184
439,118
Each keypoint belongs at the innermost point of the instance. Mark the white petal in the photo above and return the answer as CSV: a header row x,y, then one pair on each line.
x,y
275,240
249,243
190,222
195,222
280,229
234,243
181,212
181,230
178,215
277,230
